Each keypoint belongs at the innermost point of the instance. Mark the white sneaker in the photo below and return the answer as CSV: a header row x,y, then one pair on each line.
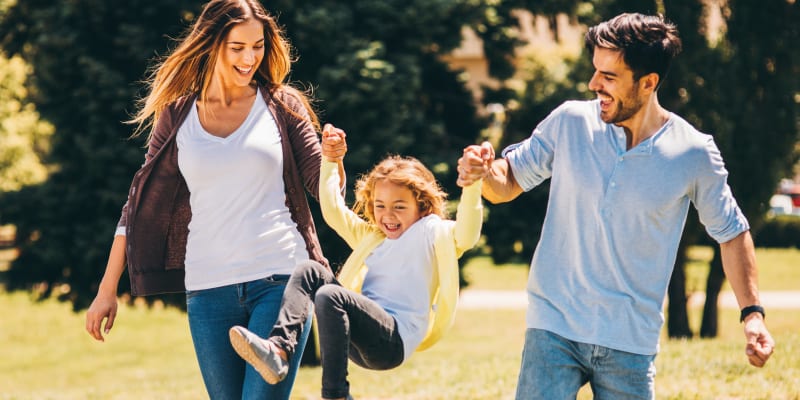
x,y
260,353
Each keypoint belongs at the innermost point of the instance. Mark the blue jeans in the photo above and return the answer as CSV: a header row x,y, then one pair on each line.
x,y
212,312
555,368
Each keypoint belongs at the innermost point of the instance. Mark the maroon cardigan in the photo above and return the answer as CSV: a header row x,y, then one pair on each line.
x,y
157,214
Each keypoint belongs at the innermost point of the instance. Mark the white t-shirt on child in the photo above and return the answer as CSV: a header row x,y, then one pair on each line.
x,y
399,279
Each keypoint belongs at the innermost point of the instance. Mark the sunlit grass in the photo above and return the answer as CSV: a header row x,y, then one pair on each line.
x,y
6,256
481,273
46,353
779,269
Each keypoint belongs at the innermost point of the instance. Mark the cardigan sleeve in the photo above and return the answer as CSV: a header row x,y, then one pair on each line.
x,y
469,218
158,136
347,224
452,240
304,138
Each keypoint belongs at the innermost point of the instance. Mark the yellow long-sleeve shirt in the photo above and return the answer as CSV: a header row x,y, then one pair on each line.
x,y
451,241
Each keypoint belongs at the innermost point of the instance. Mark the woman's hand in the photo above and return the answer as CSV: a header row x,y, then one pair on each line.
x,y
103,307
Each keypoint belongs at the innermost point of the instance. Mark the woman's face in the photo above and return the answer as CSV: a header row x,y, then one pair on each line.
x,y
241,54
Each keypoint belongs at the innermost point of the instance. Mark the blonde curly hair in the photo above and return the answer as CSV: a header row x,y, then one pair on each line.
x,y
403,171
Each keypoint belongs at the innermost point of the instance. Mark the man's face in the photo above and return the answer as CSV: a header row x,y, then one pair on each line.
x,y
619,94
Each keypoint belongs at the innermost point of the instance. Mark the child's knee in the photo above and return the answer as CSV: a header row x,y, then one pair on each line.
x,y
327,297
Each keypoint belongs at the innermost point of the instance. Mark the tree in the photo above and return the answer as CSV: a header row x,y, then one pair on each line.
x,y
755,51
24,137
375,67
752,106
87,56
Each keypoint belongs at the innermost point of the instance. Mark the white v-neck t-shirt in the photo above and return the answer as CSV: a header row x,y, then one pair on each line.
x,y
241,228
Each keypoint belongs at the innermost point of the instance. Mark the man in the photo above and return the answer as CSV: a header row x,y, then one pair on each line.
x,y
623,172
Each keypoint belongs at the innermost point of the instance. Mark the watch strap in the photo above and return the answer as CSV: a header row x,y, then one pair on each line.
x,y
751,309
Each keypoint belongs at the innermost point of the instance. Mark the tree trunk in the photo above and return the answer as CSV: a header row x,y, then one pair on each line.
x,y
677,316
553,22
716,277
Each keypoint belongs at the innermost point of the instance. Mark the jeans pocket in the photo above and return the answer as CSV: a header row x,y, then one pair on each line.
x,y
276,279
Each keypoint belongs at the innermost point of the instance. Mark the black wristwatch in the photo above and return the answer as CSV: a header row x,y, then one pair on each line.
x,y
751,309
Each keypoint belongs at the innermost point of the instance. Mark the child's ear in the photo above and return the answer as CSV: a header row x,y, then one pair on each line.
x,y
424,208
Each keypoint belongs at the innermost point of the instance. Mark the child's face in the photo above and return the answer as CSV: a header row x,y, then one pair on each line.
x,y
395,208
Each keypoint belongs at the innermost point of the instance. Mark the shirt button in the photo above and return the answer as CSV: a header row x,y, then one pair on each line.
x,y
613,184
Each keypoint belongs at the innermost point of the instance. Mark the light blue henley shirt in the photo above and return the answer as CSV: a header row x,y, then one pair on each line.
x,y
600,272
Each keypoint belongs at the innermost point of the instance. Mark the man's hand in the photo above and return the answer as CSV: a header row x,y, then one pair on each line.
x,y
760,344
475,163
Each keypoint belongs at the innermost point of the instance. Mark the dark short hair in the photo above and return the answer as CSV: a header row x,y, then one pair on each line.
x,y
648,42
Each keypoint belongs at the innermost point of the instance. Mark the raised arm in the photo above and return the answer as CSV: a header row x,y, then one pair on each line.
x,y
469,218
334,147
337,215
479,162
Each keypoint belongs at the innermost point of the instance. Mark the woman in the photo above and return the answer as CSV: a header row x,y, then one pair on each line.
x,y
218,208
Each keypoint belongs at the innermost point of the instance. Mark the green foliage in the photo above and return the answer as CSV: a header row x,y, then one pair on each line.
x,y
779,231
86,56
756,111
377,72
375,68
24,137
513,229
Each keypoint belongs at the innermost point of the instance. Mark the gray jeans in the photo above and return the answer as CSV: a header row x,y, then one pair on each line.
x,y
350,324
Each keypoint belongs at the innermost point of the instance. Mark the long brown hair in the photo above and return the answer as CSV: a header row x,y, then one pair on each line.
x,y
189,67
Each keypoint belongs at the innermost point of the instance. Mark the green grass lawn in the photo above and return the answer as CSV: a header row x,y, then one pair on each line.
x,y
779,269
45,353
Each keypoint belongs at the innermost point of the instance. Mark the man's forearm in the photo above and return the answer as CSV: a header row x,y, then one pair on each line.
x,y
739,263
499,186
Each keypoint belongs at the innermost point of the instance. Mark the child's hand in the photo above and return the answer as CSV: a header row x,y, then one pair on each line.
x,y
475,163
334,145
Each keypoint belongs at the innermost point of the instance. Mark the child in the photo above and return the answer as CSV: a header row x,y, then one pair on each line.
x,y
396,292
